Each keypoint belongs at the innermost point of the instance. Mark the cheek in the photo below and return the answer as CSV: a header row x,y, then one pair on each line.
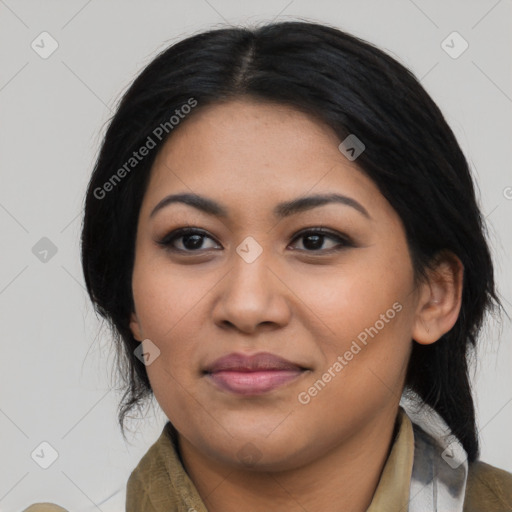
x,y
367,307
352,297
165,297
167,305
167,308
363,367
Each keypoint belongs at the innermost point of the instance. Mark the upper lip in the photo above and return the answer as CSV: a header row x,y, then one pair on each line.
x,y
251,363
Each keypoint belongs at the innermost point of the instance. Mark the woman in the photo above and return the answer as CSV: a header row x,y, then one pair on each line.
x,y
283,233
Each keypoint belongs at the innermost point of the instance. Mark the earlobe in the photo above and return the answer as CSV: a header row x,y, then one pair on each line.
x,y
440,300
135,327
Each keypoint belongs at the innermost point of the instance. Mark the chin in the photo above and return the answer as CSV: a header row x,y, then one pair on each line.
x,y
259,451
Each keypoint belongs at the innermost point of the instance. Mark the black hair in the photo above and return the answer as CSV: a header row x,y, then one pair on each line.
x,y
353,87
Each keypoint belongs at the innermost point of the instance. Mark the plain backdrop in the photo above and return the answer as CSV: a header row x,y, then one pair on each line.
x,y
57,376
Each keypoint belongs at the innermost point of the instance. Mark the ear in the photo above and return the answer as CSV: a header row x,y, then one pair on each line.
x,y
135,327
440,299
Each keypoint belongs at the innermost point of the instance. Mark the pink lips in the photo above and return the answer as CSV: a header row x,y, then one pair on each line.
x,y
252,375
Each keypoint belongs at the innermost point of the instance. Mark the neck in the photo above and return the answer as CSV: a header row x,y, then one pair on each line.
x,y
344,478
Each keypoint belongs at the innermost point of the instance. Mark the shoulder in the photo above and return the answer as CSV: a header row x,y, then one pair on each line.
x,y
148,484
488,488
147,474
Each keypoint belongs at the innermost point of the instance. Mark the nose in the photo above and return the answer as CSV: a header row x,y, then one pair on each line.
x,y
252,296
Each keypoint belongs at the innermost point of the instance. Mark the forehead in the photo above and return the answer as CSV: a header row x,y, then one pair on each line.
x,y
254,153
243,133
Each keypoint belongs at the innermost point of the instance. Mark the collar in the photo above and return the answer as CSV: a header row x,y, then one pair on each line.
x,y
392,493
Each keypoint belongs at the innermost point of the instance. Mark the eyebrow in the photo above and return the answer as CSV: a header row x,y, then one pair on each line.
x,y
280,211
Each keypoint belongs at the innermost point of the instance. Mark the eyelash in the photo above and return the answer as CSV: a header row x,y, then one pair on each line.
x,y
343,240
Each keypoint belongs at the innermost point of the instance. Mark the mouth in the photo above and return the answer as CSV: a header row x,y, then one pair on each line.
x,y
252,375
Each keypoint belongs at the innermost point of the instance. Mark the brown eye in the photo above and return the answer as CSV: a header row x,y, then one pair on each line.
x,y
314,240
192,240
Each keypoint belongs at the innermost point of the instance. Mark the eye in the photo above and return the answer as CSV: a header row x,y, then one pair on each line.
x,y
191,240
313,240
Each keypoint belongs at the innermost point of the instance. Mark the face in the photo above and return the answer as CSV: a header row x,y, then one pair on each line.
x,y
322,292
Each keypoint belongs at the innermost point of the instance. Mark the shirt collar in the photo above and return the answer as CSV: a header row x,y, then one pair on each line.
x,y
392,493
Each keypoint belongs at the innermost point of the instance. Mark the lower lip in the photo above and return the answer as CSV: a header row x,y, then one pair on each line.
x,y
253,383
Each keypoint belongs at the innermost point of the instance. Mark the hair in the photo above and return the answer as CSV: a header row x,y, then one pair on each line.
x,y
354,88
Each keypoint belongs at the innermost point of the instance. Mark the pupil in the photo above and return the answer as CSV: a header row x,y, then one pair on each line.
x,y
317,239
195,244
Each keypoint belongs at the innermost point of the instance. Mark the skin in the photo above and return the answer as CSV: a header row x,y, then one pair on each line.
x,y
306,305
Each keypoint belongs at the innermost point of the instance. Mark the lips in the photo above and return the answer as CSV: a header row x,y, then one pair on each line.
x,y
252,375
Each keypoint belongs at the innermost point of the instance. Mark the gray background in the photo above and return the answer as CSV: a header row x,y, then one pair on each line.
x,y
56,380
